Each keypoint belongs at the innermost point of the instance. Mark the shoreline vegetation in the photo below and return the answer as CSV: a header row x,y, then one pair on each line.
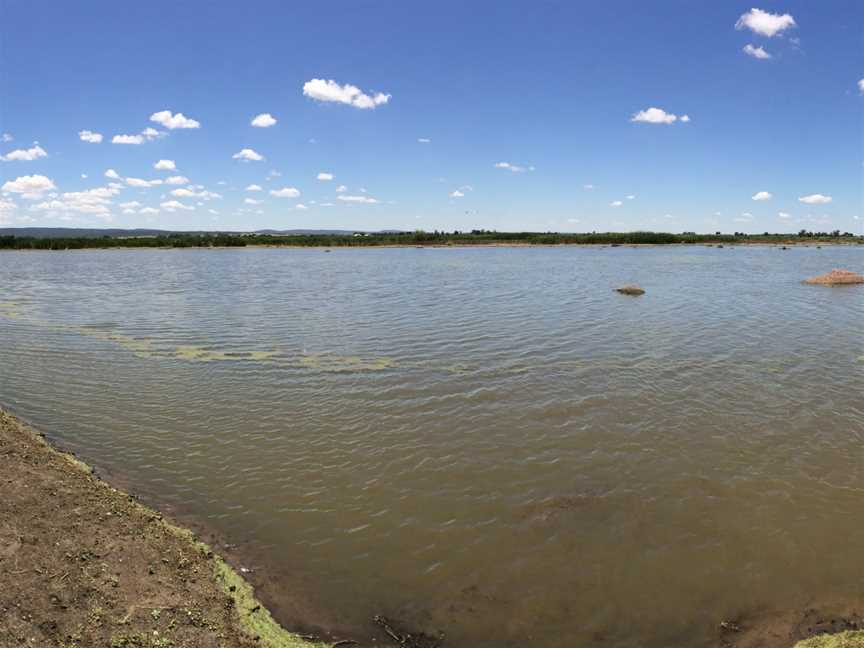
x,y
84,564
419,239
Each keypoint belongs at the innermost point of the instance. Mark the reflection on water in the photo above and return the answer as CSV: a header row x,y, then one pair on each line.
x,y
486,442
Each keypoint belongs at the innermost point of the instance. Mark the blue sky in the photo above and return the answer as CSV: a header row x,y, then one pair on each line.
x,y
531,112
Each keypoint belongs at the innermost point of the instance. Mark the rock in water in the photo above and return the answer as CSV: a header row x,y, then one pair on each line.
x,y
836,278
630,290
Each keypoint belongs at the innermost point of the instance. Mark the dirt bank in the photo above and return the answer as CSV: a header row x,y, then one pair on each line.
x,y
83,564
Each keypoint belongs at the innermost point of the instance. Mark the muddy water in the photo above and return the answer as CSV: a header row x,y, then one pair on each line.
x,y
486,442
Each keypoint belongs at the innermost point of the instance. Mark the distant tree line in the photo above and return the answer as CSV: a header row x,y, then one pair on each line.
x,y
419,237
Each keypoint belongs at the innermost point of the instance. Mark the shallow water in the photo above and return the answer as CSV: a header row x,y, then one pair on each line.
x,y
486,442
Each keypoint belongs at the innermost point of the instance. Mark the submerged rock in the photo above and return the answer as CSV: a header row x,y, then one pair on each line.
x,y
630,290
836,278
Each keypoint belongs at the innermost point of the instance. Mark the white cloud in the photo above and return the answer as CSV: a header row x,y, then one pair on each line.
x,y
424,140
32,186
616,203
248,155
515,168
341,189
90,136
111,173
149,210
28,155
300,206
254,187
91,201
264,120
6,137
169,121
172,205
861,86
815,199
177,180
657,116
130,205
324,176
251,201
165,165
322,90
762,195
127,139
746,217
588,187
151,133
367,200
631,197
138,182
784,215
756,52
764,23
285,192
457,194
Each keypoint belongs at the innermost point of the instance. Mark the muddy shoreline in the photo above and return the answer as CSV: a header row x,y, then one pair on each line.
x,y
83,563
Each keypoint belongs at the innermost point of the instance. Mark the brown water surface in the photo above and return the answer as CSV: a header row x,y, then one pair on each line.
x,y
487,442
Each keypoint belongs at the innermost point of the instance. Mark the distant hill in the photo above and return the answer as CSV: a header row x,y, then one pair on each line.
x,y
81,232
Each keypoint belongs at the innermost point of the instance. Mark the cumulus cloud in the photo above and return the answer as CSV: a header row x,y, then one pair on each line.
x,y
94,202
28,155
330,91
32,186
254,187
138,182
341,189
300,206
784,215
264,120
616,203
165,165
90,136
657,116
248,155
762,195
366,200
457,194
127,139
133,204
173,205
149,210
251,201
515,168
202,194
285,192
861,86
324,176
765,23
756,52
177,180
171,122
816,199
111,173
